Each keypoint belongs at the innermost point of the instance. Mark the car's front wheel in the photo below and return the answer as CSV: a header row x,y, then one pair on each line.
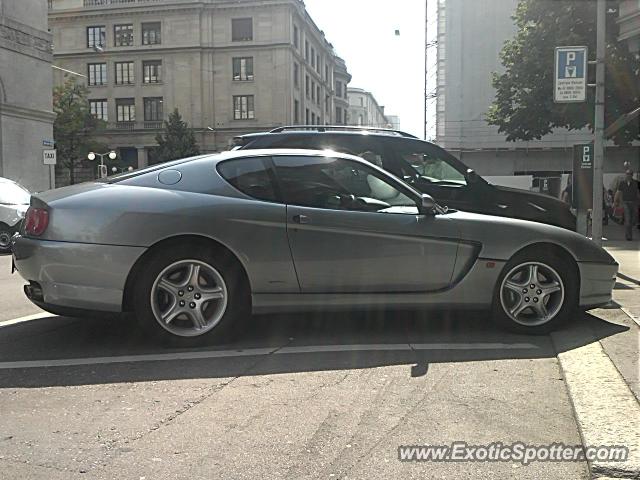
x,y
189,295
537,292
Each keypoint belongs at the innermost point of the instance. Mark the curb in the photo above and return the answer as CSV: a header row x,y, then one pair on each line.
x,y
606,411
627,278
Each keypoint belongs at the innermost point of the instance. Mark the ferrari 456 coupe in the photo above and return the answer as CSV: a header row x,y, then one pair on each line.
x,y
193,247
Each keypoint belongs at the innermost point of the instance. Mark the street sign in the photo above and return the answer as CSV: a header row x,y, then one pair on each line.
x,y
47,143
570,77
49,157
582,190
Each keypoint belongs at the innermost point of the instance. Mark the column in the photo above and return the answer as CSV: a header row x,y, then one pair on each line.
x,y
142,157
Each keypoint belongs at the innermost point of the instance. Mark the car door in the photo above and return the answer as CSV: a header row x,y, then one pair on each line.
x,y
353,229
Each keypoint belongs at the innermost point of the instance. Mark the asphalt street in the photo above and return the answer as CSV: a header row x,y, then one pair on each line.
x,y
296,397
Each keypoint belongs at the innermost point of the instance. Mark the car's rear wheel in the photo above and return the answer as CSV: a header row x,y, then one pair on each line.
x,y
537,292
189,295
6,232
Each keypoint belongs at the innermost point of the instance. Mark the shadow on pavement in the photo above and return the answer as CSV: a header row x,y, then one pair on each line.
x,y
287,344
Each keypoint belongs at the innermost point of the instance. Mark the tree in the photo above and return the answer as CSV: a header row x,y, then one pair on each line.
x,y
524,107
73,127
178,140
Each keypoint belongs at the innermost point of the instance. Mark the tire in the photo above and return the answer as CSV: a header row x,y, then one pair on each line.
x,y
203,296
6,232
520,308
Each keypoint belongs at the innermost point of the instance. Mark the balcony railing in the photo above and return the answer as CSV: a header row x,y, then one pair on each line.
x,y
100,3
130,126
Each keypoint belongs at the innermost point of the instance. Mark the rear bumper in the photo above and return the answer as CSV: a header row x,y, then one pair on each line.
x,y
76,275
596,283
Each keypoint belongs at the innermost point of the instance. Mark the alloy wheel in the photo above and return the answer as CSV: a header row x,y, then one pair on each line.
x,y
532,294
189,298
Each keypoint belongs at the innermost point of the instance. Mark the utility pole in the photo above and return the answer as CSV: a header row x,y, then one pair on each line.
x,y
598,143
426,64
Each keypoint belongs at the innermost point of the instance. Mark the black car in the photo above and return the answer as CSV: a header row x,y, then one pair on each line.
x,y
424,165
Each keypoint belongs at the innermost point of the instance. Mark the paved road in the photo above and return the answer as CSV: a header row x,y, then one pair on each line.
x,y
296,397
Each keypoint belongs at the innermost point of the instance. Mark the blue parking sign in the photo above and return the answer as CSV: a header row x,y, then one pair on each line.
x,y
570,76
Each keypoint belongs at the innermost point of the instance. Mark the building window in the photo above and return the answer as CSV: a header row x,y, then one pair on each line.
x,y
338,115
241,29
151,33
152,71
123,35
313,58
152,109
243,68
97,74
98,109
338,89
125,110
361,102
344,115
306,116
296,112
296,75
306,50
313,90
296,37
96,37
313,118
318,65
326,73
125,73
307,85
243,107
318,94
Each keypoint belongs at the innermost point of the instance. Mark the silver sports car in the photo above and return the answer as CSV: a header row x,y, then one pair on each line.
x,y
193,246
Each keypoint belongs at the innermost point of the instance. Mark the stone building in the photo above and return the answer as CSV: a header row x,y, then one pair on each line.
x,y
629,21
230,67
364,109
26,116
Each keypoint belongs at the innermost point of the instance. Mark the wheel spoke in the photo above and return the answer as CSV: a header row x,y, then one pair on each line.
x,y
172,312
168,286
550,288
533,274
518,308
212,294
194,275
198,318
514,287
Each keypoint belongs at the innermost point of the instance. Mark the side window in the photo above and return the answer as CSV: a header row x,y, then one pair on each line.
x,y
251,176
432,168
338,184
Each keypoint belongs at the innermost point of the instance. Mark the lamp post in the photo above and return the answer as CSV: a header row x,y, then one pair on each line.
x,y
103,168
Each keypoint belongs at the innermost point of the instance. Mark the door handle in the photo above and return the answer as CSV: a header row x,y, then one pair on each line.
x,y
301,219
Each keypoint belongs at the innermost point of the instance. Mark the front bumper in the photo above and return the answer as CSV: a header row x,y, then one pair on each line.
x,y
76,275
596,283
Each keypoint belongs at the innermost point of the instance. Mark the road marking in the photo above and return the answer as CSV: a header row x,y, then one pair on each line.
x,y
28,318
250,352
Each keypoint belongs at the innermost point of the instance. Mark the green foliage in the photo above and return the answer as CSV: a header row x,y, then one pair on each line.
x,y
73,127
524,107
178,140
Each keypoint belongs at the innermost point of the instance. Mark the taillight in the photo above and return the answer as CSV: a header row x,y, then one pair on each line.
x,y
36,221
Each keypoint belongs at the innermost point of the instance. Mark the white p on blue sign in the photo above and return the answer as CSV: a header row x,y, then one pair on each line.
x,y
570,76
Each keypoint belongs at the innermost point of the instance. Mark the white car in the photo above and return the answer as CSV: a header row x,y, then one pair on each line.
x,y
14,202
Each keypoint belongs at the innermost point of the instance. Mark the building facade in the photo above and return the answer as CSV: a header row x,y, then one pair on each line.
x,y
26,116
364,109
465,92
229,66
341,82
629,21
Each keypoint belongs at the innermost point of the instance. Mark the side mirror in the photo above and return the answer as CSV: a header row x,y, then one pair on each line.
x,y
472,176
427,204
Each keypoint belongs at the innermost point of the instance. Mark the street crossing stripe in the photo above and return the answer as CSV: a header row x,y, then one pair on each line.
x,y
28,318
199,355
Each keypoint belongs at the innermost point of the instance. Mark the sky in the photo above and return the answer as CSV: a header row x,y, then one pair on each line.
x,y
388,65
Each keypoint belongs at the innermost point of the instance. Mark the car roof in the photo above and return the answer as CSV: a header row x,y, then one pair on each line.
x,y
270,152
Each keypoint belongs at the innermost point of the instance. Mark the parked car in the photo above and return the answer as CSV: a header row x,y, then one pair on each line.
x,y
14,201
193,246
427,167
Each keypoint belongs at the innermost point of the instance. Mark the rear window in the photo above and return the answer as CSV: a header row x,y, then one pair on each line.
x,y
252,176
13,194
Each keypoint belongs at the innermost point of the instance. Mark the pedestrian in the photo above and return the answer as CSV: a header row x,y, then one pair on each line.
x,y
567,192
628,195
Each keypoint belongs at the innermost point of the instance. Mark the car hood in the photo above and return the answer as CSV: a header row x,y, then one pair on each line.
x,y
502,237
525,196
